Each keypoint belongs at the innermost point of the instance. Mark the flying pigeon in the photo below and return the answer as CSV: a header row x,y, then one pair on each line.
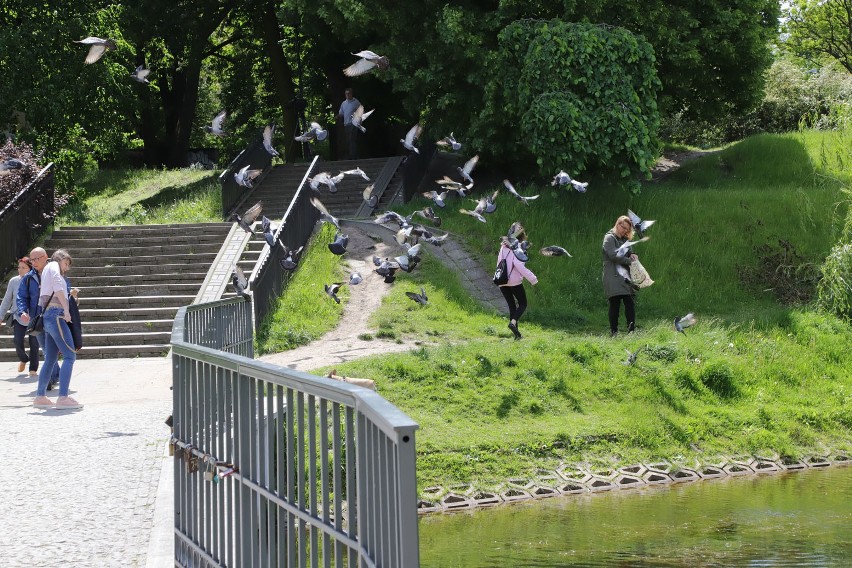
x,y
490,205
355,278
386,268
324,214
449,141
521,198
393,217
436,240
631,357
140,74
356,172
316,132
515,230
466,170
332,289
429,213
368,62
563,178
245,177
239,281
339,245
268,133
372,200
360,116
326,179
622,270
249,217
11,164
215,127
291,258
518,248
419,298
98,47
475,214
268,233
682,323
438,198
554,250
412,135
638,224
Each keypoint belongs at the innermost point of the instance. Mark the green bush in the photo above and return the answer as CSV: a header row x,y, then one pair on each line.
x,y
719,378
572,96
834,291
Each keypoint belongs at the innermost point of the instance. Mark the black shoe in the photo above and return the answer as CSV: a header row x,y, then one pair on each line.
x,y
52,384
514,328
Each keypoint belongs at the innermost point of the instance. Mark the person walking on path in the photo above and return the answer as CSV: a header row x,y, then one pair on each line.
x,y
616,288
513,289
57,333
19,329
347,108
27,301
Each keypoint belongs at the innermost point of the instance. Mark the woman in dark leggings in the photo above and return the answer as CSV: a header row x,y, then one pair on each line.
x,y
513,290
617,288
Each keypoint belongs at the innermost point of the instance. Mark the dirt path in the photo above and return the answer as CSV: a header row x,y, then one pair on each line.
x,y
671,161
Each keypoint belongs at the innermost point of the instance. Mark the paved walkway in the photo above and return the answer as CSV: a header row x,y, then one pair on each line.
x,y
81,486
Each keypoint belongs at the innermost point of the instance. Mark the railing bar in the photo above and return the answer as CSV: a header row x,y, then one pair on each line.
x,y
291,482
352,493
312,477
300,475
337,452
326,540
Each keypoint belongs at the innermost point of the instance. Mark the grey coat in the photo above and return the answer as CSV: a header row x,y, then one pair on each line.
x,y
614,285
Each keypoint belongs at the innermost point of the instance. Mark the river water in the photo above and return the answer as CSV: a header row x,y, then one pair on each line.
x,y
789,519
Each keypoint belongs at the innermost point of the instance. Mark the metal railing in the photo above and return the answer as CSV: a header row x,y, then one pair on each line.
x,y
26,216
264,472
267,279
257,158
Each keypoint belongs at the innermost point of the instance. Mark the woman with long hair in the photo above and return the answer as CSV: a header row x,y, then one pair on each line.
x,y
512,251
19,329
617,288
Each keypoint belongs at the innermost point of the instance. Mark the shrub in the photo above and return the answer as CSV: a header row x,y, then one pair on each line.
x,y
719,378
834,291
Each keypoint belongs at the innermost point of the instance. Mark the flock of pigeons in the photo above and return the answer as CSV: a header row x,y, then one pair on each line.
x,y
409,234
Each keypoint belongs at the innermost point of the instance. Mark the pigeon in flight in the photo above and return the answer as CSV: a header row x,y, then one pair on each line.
x,y
140,74
393,217
268,133
332,289
245,177
338,246
518,248
631,357
355,278
681,323
360,116
554,250
621,270
521,198
372,200
515,230
419,298
449,142
269,233
386,268
412,135
97,47
467,169
215,127
239,281
291,258
638,224
490,202
326,179
475,214
249,217
316,132
563,178
368,62
429,213
452,185
356,172
438,198
11,164
324,214
435,240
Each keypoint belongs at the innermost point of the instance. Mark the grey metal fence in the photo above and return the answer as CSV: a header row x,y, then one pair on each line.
x,y
275,467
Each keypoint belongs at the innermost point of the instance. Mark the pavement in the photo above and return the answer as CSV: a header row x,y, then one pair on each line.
x,y
88,487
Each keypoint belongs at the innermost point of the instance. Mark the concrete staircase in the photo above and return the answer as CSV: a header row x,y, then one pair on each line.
x,y
132,281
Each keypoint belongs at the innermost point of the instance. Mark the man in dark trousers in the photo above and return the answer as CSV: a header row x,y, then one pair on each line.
x,y
347,108
27,300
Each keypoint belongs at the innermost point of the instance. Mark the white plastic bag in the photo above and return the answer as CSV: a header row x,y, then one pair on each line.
x,y
639,276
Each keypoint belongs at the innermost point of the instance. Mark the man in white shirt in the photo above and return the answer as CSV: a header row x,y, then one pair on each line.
x,y
347,108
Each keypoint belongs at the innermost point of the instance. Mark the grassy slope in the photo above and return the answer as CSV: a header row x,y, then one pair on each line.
x,y
753,376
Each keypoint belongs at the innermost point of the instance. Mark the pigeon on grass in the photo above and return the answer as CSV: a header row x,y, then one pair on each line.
x,y
420,298
332,289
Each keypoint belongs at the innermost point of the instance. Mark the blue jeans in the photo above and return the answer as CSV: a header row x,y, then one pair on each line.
x,y
55,339
54,375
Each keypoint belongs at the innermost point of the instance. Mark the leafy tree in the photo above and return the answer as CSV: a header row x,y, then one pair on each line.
x,y
822,27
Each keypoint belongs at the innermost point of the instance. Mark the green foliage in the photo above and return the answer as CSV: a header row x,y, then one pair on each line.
x,y
835,288
820,28
574,97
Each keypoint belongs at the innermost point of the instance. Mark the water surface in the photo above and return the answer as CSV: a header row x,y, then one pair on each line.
x,y
789,519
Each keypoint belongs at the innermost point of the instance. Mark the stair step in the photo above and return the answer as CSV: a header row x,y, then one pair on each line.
x,y
105,352
132,326
127,251
135,302
201,259
128,314
134,270
136,229
163,288
81,242
100,279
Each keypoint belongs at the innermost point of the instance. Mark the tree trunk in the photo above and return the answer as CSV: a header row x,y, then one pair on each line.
x,y
282,76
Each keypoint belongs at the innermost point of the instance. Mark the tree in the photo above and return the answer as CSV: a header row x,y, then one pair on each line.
x,y
821,27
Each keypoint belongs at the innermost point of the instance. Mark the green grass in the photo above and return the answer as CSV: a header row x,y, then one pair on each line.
x,y
304,312
144,197
755,375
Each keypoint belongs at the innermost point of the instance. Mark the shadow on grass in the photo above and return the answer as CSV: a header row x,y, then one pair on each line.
x,y
173,193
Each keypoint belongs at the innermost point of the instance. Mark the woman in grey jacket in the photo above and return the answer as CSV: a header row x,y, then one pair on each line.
x,y
19,329
617,288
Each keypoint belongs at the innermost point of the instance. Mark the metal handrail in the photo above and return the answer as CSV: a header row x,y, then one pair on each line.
x,y
26,216
254,155
287,439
